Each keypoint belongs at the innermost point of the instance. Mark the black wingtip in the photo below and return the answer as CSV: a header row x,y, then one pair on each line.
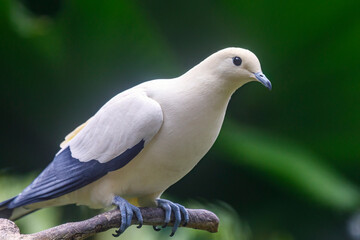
x,y
5,203
6,213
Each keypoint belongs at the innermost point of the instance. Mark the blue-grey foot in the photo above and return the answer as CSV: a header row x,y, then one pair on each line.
x,y
127,211
177,209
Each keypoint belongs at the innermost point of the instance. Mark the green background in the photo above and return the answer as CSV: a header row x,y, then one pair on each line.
x,y
286,164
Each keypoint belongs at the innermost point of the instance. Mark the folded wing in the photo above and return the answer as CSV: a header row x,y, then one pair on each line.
x,y
107,142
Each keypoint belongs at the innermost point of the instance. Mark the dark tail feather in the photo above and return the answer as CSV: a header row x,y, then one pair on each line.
x,y
13,213
6,212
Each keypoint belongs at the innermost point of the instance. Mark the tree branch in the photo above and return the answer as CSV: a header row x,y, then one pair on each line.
x,y
198,219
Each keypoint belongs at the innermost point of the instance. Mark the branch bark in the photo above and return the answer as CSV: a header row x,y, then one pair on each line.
x,y
198,219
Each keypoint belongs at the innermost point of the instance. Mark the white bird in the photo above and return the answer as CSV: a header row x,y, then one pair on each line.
x,y
141,142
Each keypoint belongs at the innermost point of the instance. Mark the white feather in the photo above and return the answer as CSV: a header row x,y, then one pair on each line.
x,y
120,124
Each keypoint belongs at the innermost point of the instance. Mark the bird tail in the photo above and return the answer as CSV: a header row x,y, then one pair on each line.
x,y
13,213
6,212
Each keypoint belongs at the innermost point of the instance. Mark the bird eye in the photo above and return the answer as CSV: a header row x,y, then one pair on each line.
x,y
237,61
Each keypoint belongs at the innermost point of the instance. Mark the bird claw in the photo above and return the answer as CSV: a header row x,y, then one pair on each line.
x,y
156,228
117,233
127,211
177,209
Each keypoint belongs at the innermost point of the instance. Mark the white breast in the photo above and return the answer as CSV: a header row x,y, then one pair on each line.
x,y
191,125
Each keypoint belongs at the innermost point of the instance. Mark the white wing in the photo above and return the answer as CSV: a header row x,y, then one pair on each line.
x,y
119,125
106,142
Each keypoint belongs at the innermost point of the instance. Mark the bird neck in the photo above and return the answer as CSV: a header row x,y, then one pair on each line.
x,y
203,92
209,83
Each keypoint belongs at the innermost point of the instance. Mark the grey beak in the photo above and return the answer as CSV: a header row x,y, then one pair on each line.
x,y
263,79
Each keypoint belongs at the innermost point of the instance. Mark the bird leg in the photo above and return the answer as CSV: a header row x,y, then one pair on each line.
x,y
177,209
126,210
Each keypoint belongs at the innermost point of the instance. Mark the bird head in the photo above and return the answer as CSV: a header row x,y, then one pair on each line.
x,y
235,66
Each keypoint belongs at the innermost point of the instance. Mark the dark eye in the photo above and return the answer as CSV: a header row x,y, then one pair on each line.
x,y
237,61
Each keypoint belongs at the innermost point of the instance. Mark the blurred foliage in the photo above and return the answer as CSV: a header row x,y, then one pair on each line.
x,y
287,161
289,164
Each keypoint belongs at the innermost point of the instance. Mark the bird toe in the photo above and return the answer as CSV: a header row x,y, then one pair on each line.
x,y
156,228
177,209
127,211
